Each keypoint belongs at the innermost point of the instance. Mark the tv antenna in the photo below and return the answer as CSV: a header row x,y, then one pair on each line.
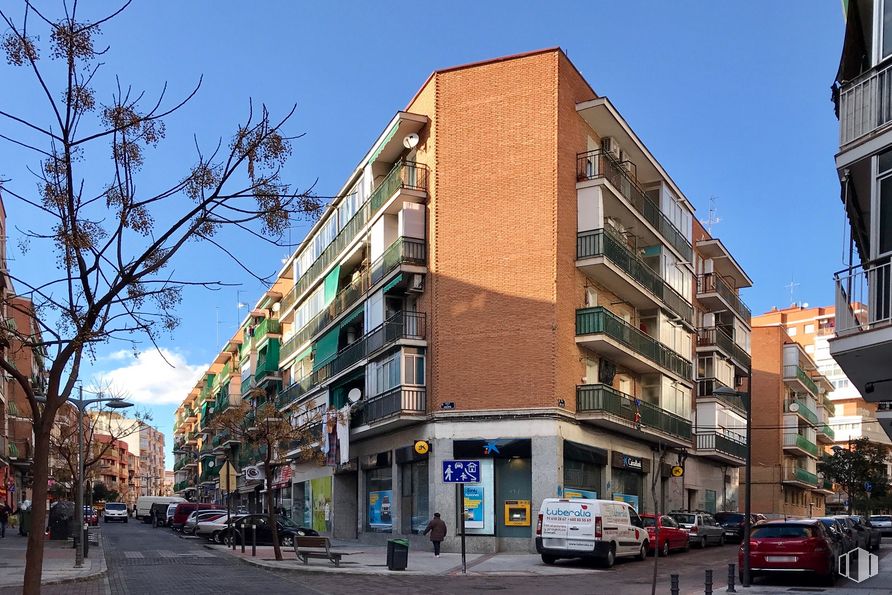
x,y
792,285
713,217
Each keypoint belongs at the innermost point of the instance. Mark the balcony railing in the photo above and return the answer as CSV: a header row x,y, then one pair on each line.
x,y
403,251
263,328
409,400
706,387
402,325
864,297
801,442
713,283
598,320
801,475
803,409
601,242
827,431
721,443
718,337
405,174
796,373
606,399
598,164
865,104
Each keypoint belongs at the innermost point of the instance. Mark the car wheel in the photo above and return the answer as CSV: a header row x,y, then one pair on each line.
x,y
215,537
703,542
610,558
287,541
549,559
722,539
642,553
231,539
665,549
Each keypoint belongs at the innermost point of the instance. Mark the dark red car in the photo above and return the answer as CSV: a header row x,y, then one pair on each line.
x,y
672,536
91,517
790,546
184,509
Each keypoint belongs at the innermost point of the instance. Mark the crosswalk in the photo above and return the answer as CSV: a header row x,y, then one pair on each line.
x,y
140,555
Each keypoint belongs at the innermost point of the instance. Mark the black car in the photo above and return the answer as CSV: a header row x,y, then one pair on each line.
x,y
733,523
288,530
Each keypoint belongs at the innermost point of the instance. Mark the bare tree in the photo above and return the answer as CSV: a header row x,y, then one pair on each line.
x,y
113,231
259,425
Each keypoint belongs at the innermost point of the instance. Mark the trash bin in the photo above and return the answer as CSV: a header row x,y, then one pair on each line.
x,y
86,535
24,522
397,554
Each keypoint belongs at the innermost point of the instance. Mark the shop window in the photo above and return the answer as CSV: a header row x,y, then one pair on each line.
x,y
582,477
379,500
414,503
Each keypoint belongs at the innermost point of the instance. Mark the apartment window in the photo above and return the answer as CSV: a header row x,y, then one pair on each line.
x,y
791,331
414,368
809,349
809,329
887,29
326,234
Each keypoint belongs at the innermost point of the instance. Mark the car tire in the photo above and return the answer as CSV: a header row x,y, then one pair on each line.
x,y
703,543
215,537
610,558
642,553
664,551
722,539
287,541
549,559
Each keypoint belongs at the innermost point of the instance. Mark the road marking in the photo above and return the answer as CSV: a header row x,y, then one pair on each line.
x,y
167,554
133,555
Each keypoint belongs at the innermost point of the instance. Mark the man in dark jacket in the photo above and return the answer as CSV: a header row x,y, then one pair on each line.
x,y
437,529
4,518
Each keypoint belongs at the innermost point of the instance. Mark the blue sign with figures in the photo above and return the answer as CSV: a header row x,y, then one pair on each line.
x,y
461,471
868,486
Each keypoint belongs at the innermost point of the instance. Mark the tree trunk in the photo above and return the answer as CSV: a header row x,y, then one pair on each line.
x,y
270,511
40,472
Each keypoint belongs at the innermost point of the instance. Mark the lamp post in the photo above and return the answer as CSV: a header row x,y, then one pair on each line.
x,y
748,471
81,403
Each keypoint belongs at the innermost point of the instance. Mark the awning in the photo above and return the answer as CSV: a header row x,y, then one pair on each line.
x,y
326,347
331,284
393,283
304,354
390,134
346,320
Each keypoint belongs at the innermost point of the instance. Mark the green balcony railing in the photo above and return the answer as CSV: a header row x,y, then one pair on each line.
x,y
801,442
263,328
706,388
405,174
599,320
721,443
599,164
713,283
602,242
794,372
606,399
801,475
827,431
802,409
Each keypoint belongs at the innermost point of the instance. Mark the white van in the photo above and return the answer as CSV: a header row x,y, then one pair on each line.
x,y
144,505
583,528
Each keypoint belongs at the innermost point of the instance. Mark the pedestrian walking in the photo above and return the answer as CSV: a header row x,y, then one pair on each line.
x,y
5,511
437,528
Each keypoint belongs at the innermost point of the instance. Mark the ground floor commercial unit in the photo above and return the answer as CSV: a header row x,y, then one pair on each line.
x,y
389,488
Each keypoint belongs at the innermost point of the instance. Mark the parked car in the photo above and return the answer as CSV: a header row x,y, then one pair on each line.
x,y
733,524
883,522
790,546
672,536
184,509
702,528
192,522
587,528
288,530
839,530
115,511
859,534
214,529
90,516
875,534
168,516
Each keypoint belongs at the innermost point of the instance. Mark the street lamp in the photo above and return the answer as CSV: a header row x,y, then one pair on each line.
x,y
748,470
82,404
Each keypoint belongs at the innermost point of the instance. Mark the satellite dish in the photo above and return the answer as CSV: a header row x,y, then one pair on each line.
x,y
410,141
355,394
794,407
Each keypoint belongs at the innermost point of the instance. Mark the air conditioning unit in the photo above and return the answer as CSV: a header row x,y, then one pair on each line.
x,y
610,146
416,283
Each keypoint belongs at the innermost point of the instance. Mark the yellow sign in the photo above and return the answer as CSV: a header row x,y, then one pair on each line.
x,y
228,477
422,447
677,471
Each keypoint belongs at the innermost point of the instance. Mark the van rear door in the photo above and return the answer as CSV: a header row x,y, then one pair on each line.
x,y
568,525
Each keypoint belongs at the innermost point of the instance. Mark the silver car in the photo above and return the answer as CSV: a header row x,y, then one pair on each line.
x,y
200,515
702,528
883,522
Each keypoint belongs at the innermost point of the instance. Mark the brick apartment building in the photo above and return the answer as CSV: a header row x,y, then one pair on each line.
x,y
144,443
510,275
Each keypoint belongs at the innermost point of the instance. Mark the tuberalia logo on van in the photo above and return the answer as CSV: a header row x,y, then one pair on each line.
x,y
567,513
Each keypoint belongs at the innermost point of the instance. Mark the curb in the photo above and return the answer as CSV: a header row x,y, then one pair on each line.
x,y
65,581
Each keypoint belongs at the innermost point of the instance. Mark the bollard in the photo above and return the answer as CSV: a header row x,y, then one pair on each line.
x,y
731,577
708,586
673,584
242,538
253,540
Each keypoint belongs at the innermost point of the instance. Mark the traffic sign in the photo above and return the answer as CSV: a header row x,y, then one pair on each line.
x,y
868,486
228,477
461,471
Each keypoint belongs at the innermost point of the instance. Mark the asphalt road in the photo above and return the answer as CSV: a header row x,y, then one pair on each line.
x,y
142,560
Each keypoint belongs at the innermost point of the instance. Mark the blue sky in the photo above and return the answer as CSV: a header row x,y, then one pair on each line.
x,y
732,98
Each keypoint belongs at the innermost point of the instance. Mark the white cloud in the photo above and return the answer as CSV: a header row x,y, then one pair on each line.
x,y
150,380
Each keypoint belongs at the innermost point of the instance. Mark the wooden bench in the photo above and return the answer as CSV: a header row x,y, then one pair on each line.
x,y
315,547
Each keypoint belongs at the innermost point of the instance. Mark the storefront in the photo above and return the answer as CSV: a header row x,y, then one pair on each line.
x,y
414,489
312,504
378,480
627,478
584,470
281,486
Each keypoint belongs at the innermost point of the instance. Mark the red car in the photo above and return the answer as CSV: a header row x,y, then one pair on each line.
x,y
790,546
672,536
91,517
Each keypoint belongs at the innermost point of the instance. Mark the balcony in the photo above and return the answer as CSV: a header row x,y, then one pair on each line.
x,y
706,388
824,485
721,448
798,378
402,325
825,434
603,405
714,293
190,415
602,331
802,409
799,476
799,444
604,256
863,343
716,338
865,105
404,251
398,406
405,175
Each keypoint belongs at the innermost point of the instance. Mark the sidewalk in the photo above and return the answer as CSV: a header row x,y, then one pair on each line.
x,y
372,559
58,561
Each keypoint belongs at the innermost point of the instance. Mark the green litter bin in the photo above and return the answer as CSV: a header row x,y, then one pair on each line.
x,y
397,554
24,522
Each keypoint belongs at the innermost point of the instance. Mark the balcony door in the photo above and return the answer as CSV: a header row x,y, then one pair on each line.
x,y
879,279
